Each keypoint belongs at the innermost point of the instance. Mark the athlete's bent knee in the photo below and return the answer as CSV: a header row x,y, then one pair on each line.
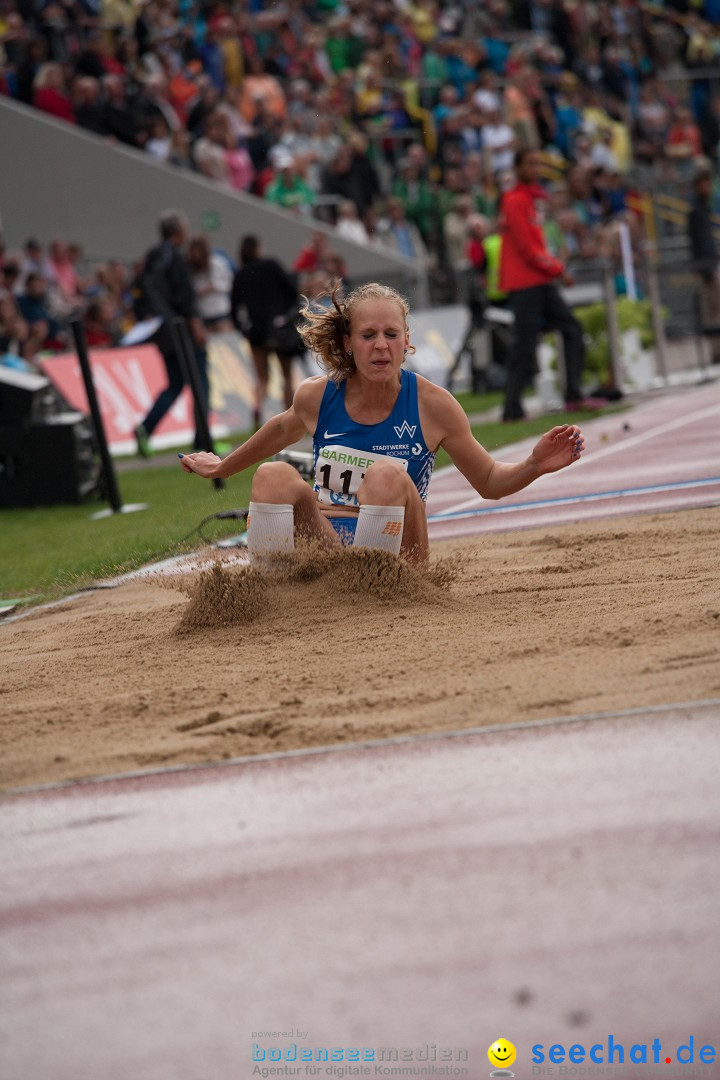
x,y
276,481
385,482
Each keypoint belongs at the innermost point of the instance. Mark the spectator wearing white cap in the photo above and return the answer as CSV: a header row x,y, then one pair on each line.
x,y
349,225
498,142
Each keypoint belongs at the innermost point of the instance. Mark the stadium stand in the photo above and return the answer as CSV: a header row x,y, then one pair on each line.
x,y
405,110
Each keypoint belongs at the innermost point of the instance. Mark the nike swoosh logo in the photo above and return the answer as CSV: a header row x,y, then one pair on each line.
x,y
334,434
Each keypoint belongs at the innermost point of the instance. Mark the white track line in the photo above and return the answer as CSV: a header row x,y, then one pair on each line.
x,y
569,500
634,440
651,433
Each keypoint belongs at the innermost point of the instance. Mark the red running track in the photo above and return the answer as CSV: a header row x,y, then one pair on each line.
x,y
661,455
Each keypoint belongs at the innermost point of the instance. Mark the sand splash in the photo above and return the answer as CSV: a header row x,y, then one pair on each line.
x,y
225,595
222,596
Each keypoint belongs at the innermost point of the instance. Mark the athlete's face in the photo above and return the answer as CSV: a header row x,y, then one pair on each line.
x,y
378,339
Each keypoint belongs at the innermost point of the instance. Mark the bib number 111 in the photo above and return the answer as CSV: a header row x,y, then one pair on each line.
x,y
346,478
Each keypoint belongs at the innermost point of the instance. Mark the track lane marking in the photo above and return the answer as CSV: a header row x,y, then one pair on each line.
x,y
568,500
651,433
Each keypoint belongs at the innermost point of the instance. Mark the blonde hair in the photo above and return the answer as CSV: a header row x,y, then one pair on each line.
x,y
47,75
325,328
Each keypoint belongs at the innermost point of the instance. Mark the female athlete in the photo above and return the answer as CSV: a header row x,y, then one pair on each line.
x,y
376,428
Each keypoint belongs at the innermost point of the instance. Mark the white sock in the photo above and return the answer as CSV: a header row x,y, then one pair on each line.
x,y
380,527
270,529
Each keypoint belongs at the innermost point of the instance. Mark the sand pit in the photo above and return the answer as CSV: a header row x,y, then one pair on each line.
x,y
516,626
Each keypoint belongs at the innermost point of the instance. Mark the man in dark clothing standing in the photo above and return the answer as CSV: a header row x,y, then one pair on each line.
x,y
263,305
528,272
705,256
168,292
351,174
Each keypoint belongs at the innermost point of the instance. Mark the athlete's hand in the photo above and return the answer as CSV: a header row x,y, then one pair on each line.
x,y
202,463
558,448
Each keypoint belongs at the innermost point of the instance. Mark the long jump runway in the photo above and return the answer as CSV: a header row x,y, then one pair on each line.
x,y
548,883
662,455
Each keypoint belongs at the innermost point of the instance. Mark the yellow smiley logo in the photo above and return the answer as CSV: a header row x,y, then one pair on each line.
x,y
502,1053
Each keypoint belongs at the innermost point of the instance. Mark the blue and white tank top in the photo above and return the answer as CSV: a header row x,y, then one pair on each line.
x,y
343,449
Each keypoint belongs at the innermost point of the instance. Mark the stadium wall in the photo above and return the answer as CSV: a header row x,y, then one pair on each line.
x,y
58,180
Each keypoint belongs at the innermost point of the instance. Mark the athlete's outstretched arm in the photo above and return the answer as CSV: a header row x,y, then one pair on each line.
x,y
278,433
492,479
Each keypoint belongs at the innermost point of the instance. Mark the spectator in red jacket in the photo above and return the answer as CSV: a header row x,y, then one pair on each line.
x,y
311,258
50,95
529,273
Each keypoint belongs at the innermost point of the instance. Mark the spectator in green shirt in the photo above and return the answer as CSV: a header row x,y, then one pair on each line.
x,y
417,196
344,49
434,73
289,189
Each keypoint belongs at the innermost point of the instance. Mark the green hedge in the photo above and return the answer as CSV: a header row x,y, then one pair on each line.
x,y
632,315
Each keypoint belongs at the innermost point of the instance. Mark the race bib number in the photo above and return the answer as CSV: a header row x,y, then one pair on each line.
x,y
340,470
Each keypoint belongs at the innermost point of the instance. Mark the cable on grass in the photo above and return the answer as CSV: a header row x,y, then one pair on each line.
x,y
222,515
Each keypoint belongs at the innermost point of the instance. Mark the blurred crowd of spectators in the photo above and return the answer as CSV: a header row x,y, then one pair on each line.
x,y
42,289
394,121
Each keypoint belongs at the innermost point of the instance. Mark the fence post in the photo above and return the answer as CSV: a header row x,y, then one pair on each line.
x,y
108,468
612,322
78,333
656,312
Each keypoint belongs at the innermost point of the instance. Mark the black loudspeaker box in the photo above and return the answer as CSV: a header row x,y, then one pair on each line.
x,y
47,463
21,394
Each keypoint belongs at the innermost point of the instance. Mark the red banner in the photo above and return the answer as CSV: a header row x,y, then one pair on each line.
x,y
127,381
